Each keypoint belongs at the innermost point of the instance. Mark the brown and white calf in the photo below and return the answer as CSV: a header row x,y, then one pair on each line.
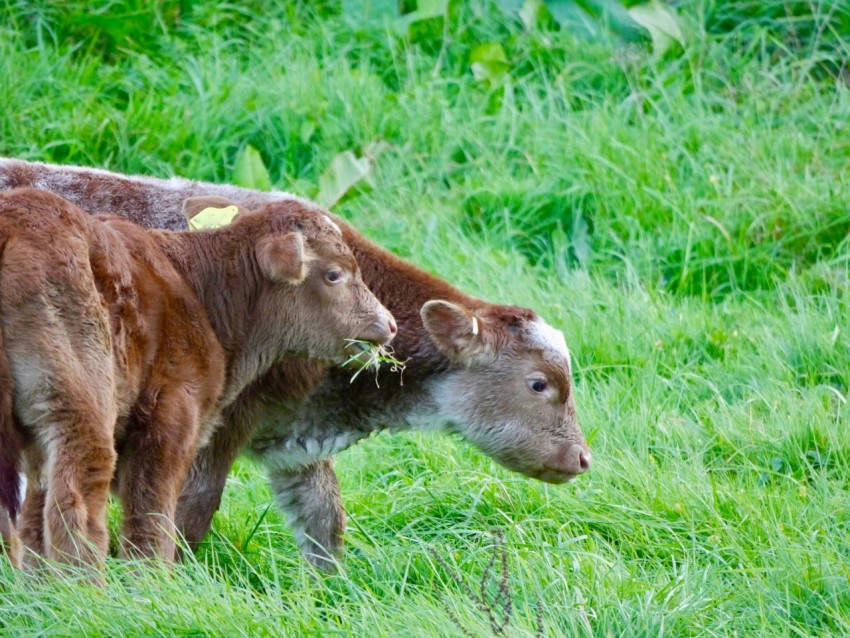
x,y
498,375
121,346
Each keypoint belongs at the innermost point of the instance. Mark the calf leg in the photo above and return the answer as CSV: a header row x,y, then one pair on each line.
x,y
201,494
9,540
267,403
155,459
31,522
310,497
79,470
62,364
70,468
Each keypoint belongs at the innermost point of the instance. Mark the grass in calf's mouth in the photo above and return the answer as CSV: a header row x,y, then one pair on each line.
x,y
367,356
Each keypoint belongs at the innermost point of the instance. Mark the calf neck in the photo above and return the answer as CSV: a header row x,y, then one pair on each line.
x,y
498,375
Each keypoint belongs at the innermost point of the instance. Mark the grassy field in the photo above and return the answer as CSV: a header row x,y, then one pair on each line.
x,y
684,221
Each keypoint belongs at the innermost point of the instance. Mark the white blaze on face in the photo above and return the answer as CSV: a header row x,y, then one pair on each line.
x,y
552,341
333,224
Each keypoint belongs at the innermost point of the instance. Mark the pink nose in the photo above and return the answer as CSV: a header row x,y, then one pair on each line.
x,y
393,327
572,459
584,461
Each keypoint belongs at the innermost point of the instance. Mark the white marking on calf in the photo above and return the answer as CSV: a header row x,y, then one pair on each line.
x,y
332,224
474,326
551,340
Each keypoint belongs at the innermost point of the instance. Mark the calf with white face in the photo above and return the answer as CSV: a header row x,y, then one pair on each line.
x,y
498,375
511,370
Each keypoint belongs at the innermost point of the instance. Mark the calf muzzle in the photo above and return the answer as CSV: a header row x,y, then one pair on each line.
x,y
380,332
568,462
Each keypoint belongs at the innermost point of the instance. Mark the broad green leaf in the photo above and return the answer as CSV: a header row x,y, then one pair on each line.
x,y
613,15
488,52
588,18
662,24
574,19
249,171
341,175
489,62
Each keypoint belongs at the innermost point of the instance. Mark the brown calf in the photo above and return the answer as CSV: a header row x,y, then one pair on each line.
x,y
122,339
498,375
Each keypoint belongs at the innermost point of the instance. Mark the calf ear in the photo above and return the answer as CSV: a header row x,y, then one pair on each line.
x,y
283,258
456,331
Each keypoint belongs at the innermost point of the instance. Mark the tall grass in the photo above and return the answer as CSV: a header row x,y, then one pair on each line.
x,y
684,221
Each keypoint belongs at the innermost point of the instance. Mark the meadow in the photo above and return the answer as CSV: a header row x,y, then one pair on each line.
x,y
683,219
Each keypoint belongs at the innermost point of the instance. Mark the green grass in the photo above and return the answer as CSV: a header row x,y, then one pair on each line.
x,y
684,221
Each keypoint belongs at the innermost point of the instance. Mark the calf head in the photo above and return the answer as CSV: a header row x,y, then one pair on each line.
x,y
311,281
509,387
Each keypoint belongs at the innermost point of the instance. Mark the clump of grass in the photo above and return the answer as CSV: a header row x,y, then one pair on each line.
x,y
371,356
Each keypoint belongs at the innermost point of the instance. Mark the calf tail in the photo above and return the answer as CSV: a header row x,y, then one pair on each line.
x,y
11,439
11,444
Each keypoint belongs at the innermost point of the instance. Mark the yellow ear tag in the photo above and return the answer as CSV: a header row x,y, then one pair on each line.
x,y
213,218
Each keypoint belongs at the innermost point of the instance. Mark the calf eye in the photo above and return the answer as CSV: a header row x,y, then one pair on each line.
x,y
333,276
537,385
